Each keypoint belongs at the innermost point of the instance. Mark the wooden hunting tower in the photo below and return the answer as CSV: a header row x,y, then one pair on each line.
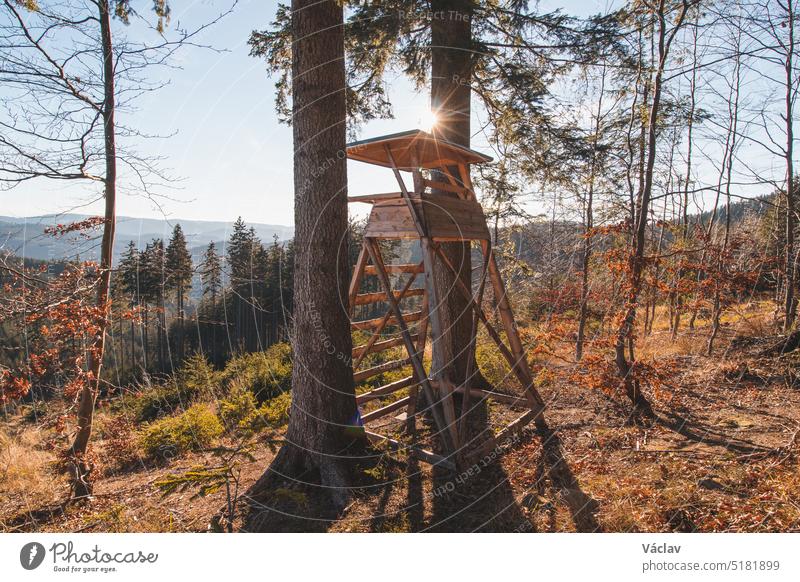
x,y
441,207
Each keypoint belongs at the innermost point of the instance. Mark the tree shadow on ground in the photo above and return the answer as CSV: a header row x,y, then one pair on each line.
x,y
287,510
552,463
479,497
32,520
476,498
279,503
695,431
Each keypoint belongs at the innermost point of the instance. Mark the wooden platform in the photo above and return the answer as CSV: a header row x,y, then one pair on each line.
x,y
445,218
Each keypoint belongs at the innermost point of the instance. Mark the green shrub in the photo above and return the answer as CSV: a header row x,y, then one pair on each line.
x,y
266,374
241,413
236,410
195,379
195,429
276,411
197,376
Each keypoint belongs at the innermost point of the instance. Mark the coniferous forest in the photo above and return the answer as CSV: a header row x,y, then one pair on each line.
x,y
591,327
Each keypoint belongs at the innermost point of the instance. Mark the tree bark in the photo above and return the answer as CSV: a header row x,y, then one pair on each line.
x,y
451,74
320,436
82,486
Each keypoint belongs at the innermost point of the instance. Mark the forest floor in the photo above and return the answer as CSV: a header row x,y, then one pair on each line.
x,y
722,455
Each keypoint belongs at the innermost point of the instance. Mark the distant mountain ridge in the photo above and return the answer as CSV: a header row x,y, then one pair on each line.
x,y
25,236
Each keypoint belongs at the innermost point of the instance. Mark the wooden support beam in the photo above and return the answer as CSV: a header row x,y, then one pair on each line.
x,y
355,281
368,298
448,430
366,349
515,426
518,365
386,316
422,338
415,216
370,198
507,317
404,268
471,367
463,170
500,439
379,369
386,389
389,408
445,394
369,324
422,454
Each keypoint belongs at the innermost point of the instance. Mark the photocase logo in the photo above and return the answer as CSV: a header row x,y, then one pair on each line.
x,y
31,555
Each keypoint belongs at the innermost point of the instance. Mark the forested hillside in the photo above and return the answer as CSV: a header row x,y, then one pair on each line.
x,y
28,237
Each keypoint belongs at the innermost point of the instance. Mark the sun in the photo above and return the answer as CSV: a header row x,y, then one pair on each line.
x,y
427,120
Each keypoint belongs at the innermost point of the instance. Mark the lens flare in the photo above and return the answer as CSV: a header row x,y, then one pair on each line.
x,y
428,120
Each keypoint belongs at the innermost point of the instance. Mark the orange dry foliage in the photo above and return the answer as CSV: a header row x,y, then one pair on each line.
x,y
58,317
81,227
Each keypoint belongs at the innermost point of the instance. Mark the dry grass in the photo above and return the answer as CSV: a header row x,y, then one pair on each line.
x,y
27,478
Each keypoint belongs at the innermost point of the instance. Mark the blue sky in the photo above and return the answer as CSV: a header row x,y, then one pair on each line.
x,y
226,146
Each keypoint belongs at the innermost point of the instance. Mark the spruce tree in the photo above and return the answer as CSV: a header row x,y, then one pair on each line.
x,y
211,280
152,275
239,258
179,270
129,276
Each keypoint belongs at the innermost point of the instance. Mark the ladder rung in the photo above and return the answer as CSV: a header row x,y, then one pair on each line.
x,y
367,298
380,346
385,389
386,409
385,367
404,268
373,323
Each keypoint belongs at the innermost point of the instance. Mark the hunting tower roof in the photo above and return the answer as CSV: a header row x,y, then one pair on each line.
x,y
432,152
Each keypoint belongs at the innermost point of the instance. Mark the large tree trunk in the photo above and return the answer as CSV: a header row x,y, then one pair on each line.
x,y
319,436
82,486
451,73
